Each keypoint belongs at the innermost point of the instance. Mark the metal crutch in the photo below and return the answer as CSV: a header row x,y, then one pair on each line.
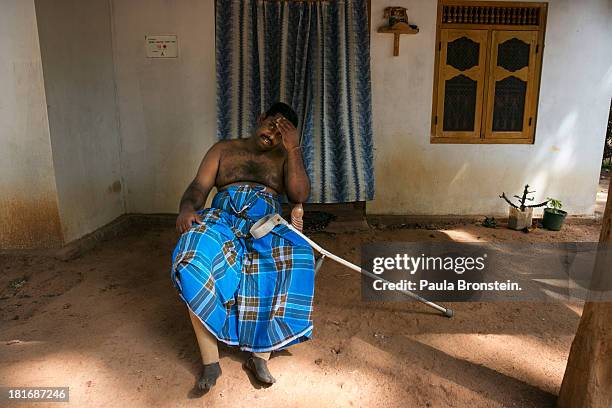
x,y
267,224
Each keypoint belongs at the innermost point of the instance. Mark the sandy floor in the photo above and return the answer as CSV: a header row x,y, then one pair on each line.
x,y
110,326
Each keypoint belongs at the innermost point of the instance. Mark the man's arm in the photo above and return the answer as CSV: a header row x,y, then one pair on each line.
x,y
195,196
297,184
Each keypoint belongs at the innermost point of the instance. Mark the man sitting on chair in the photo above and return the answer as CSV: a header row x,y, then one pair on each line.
x,y
252,293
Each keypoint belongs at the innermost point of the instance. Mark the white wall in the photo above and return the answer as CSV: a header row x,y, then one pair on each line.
x,y
76,46
28,202
167,106
168,113
165,116
416,177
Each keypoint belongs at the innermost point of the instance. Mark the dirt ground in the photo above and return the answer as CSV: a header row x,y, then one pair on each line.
x,y
111,327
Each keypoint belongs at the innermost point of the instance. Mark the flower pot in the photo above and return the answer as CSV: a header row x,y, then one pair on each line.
x,y
553,219
518,219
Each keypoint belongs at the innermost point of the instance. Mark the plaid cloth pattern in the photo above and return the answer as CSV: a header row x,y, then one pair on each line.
x,y
255,293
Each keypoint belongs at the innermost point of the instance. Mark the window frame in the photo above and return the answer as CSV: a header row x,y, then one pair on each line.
x,y
484,120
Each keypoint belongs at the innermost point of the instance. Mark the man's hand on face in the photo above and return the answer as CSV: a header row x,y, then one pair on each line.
x,y
289,133
185,219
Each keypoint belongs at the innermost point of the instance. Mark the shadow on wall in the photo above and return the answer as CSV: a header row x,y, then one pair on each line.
x,y
464,179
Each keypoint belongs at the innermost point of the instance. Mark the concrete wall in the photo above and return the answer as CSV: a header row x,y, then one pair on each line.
x,y
76,45
168,113
167,106
28,204
416,177
144,142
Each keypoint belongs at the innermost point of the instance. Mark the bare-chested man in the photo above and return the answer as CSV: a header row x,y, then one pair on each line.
x,y
254,293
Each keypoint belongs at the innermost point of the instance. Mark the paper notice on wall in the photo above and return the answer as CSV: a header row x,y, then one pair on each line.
x,y
161,46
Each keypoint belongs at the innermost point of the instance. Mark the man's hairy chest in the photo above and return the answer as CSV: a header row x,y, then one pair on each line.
x,y
240,165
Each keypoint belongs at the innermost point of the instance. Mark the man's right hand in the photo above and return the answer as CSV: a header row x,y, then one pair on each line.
x,y
185,219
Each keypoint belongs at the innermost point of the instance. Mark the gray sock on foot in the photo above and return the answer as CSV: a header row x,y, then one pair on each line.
x,y
259,367
209,375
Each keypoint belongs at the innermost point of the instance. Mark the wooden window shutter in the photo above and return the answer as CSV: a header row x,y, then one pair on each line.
x,y
511,94
487,71
461,79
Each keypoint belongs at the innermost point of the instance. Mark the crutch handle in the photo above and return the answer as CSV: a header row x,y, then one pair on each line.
x,y
266,224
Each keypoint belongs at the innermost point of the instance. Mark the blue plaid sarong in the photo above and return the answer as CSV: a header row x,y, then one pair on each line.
x,y
255,293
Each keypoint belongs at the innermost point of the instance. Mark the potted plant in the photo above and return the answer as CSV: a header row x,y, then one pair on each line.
x,y
520,216
553,215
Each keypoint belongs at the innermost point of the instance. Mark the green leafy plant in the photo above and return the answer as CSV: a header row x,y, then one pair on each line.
x,y
489,222
554,205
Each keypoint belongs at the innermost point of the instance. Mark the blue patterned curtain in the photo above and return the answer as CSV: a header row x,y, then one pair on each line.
x,y
314,56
